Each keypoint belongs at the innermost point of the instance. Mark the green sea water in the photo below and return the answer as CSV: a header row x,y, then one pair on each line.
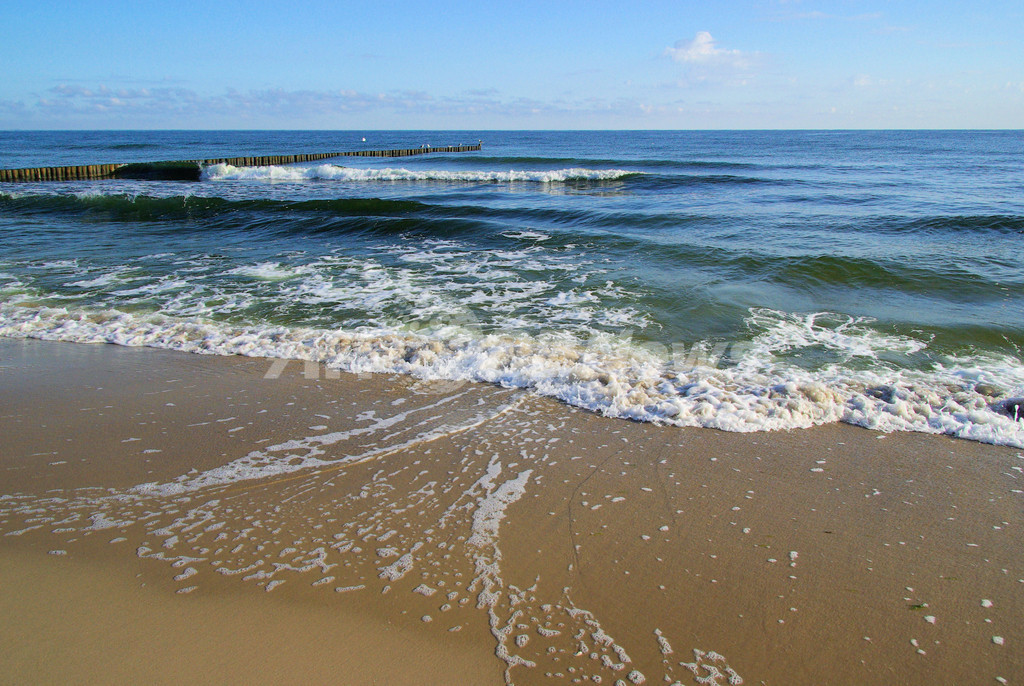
x,y
740,280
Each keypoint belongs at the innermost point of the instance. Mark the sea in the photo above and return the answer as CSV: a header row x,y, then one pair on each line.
x,y
736,280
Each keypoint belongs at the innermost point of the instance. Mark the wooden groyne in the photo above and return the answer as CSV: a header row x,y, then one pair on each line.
x,y
191,170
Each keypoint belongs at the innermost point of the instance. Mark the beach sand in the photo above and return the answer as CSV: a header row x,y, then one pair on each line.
x,y
166,516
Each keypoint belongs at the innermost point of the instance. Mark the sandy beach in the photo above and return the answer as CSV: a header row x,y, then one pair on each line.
x,y
167,516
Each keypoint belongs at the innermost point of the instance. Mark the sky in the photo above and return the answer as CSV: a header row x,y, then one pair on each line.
x,y
478,65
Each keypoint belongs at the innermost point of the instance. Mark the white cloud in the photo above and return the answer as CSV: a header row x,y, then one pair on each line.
x,y
97,105
704,62
703,50
867,81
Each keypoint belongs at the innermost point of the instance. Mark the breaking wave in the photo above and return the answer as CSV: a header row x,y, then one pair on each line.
x,y
752,385
227,172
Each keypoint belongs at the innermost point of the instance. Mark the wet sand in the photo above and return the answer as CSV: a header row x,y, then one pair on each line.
x,y
166,516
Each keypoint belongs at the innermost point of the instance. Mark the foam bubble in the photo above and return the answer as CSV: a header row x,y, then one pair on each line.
x,y
526,235
227,172
761,390
269,271
101,280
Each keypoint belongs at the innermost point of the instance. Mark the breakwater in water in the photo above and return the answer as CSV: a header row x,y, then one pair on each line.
x,y
191,170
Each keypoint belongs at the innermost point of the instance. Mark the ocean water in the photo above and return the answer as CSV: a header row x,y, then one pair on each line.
x,y
743,281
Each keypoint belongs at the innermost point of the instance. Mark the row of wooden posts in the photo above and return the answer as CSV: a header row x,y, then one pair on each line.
x,y
187,169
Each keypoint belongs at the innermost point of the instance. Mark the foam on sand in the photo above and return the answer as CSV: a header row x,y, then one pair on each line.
x,y
473,506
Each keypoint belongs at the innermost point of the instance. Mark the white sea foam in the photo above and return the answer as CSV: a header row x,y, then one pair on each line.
x,y
429,283
227,172
527,235
10,282
105,279
572,298
60,264
269,271
613,376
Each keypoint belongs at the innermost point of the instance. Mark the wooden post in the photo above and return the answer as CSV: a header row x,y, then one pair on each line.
x,y
175,171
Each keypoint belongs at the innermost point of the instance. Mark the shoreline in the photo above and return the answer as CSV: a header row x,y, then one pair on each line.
x,y
584,545
970,399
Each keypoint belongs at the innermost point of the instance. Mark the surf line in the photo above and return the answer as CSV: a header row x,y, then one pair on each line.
x,y
191,170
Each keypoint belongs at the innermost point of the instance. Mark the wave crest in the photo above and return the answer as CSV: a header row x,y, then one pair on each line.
x,y
331,172
755,391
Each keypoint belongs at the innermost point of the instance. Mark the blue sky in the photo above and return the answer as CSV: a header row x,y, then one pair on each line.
x,y
559,64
